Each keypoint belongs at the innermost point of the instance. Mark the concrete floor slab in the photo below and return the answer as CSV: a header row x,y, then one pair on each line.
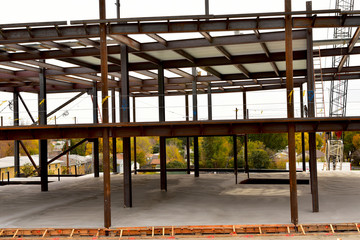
x,y
212,199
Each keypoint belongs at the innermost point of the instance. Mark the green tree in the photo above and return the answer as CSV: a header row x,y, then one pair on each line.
x,y
273,141
258,157
215,152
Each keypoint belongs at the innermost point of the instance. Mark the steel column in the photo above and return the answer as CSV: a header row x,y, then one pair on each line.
x,y
125,118
161,93
95,140
311,113
302,134
187,138
105,113
16,142
290,112
43,152
246,138
113,116
235,158
195,118
134,120
209,102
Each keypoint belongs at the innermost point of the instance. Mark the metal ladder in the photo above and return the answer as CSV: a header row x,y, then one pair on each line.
x,y
319,87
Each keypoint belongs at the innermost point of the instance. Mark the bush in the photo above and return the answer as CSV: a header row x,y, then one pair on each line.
x,y
28,170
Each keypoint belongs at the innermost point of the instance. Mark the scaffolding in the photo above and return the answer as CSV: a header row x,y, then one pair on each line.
x,y
334,154
319,87
338,89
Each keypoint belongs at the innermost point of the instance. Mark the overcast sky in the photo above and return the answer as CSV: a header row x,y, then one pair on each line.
x,y
261,104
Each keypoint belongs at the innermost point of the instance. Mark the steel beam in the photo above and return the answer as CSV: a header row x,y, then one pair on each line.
x,y
105,115
125,118
163,177
302,134
209,102
26,108
311,113
157,25
43,151
195,118
113,116
67,150
95,143
65,104
16,142
235,158
161,93
181,129
134,120
246,138
290,113
187,138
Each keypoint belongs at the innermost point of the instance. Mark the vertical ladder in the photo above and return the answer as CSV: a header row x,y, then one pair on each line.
x,y
319,87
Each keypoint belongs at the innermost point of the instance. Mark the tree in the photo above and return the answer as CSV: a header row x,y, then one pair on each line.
x,y
173,154
143,149
215,152
258,157
273,141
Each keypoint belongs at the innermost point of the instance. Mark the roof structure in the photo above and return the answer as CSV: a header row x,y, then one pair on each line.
x,y
247,56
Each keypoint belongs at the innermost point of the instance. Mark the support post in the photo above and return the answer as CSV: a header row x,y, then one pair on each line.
x,y
246,138
105,113
113,115
161,93
187,138
235,158
125,118
96,140
290,112
302,133
134,120
16,142
195,118
43,121
209,102
311,113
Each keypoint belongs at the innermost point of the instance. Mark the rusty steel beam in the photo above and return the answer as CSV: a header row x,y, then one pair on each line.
x,y
125,118
105,115
67,150
311,112
290,113
29,156
172,45
181,129
215,24
16,123
246,138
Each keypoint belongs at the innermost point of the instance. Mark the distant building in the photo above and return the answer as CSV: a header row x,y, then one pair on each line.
x,y
7,165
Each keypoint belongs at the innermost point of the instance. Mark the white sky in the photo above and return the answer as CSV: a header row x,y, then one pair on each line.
x,y
261,104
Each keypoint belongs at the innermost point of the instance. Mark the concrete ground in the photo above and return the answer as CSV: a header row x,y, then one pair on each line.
x,y
212,199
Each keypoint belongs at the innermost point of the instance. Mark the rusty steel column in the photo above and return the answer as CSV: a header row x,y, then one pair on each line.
x,y
161,95
195,118
302,133
290,112
105,116
125,118
246,137
43,151
235,158
16,142
96,140
311,113
113,116
187,138
134,120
